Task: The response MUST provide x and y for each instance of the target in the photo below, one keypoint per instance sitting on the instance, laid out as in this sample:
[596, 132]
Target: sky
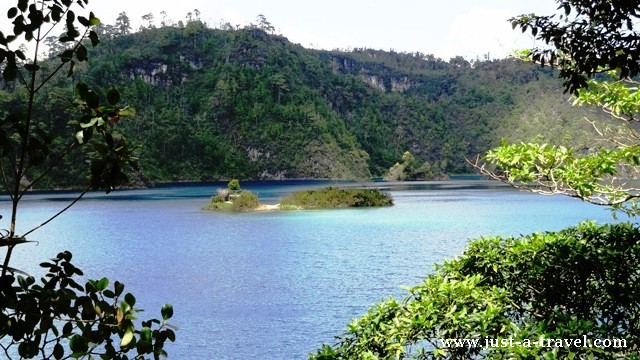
[444, 28]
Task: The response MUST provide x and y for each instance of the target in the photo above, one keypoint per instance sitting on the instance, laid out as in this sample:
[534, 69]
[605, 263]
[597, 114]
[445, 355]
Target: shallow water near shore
[276, 284]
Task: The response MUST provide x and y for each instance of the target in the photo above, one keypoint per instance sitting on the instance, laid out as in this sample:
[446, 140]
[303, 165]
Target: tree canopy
[588, 38]
[217, 104]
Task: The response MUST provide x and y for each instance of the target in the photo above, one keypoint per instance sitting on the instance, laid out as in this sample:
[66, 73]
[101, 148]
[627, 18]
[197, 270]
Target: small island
[233, 198]
[411, 170]
[336, 198]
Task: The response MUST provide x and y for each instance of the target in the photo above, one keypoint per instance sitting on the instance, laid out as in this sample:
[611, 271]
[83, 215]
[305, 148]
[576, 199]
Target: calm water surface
[276, 285]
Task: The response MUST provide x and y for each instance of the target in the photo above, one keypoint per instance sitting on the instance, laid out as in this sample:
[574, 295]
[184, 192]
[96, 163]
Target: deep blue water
[275, 285]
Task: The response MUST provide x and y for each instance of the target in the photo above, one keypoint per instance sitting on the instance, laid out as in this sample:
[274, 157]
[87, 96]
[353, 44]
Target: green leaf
[58, 351]
[13, 12]
[113, 96]
[18, 26]
[127, 111]
[23, 4]
[118, 288]
[171, 335]
[102, 284]
[84, 21]
[92, 99]
[72, 69]
[145, 334]
[82, 89]
[126, 339]
[93, 36]
[130, 299]
[81, 53]
[71, 17]
[9, 73]
[78, 344]
[102, 149]
[166, 311]
[80, 137]
[93, 20]
[67, 328]
[66, 55]
[89, 124]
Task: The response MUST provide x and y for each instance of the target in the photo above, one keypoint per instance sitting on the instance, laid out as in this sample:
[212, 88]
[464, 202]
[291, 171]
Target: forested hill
[244, 103]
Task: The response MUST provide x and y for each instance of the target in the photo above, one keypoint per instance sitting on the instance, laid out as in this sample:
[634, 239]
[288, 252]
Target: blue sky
[471, 28]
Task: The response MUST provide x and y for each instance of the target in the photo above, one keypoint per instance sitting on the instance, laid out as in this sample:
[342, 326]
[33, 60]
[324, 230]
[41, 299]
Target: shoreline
[222, 183]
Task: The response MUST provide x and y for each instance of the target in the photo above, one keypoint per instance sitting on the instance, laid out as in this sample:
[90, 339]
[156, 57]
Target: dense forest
[220, 103]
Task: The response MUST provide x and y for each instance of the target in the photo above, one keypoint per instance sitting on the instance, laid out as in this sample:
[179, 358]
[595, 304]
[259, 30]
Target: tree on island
[512, 294]
[234, 185]
[56, 317]
[410, 169]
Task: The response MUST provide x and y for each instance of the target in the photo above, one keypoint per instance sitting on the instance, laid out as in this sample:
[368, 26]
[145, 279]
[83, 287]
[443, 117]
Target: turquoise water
[276, 285]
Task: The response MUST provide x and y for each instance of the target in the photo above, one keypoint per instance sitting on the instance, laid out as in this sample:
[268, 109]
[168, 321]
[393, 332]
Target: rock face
[332, 163]
[374, 81]
[399, 84]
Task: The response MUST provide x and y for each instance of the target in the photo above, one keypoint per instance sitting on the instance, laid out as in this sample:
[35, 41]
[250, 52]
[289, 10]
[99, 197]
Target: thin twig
[63, 63]
[51, 167]
[59, 213]
[5, 181]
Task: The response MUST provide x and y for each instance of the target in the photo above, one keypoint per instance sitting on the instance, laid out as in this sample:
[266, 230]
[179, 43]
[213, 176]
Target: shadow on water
[268, 191]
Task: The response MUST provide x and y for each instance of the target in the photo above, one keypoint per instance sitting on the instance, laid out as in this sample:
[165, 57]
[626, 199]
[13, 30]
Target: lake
[275, 285]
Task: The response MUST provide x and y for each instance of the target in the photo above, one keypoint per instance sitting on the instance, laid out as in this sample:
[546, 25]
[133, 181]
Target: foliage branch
[57, 317]
[594, 46]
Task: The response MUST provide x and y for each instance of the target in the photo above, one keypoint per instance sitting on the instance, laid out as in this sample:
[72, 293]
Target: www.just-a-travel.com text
[487, 343]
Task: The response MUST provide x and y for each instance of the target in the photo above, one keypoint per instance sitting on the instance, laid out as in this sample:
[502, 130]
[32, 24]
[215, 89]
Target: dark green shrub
[217, 199]
[58, 318]
[580, 282]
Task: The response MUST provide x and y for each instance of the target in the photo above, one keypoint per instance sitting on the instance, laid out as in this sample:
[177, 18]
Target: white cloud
[480, 31]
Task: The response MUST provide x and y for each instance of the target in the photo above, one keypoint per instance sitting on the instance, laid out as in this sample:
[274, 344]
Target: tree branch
[51, 167]
[601, 196]
[75, 47]
[5, 181]
[59, 212]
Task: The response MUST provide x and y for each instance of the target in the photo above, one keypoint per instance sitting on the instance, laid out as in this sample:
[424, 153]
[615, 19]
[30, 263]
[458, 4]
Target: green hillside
[244, 103]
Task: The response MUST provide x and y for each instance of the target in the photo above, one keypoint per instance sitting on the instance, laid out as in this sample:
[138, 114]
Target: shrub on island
[332, 198]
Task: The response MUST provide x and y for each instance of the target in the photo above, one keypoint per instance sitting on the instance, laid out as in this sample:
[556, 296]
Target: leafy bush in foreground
[331, 197]
[58, 318]
[580, 282]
